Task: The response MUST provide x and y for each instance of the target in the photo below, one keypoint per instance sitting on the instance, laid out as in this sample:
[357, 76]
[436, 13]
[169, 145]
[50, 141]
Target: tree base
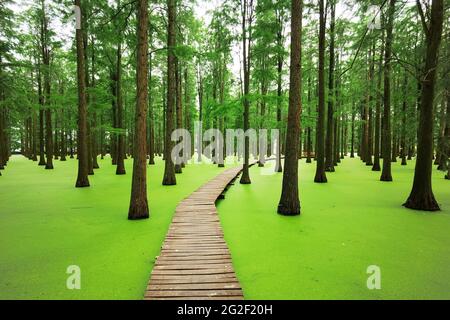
[386, 178]
[49, 167]
[178, 169]
[376, 167]
[291, 211]
[169, 181]
[260, 165]
[447, 177]
[138, 211]
[423, 202]
[321, 178]
[245, 179]
[221, 165]
[82, 183]
[151, 162]
[120, 172]
[308, 161]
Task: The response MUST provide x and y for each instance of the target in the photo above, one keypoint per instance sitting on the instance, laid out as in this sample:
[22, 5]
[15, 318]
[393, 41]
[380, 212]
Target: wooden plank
[239, 297]
[195, 286]
[227, 277]
[192, 262]
[194, 271]
[178, 266]
[194, 293]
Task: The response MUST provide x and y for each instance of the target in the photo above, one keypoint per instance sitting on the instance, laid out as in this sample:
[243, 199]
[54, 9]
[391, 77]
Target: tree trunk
[376, 159]
[386, 174]
[120, 170]
[246, 40]
[151, 129]
[290, 203]
[63, 148]
[42, 160]
[82, 179]
[179, 109]
[329, 150]
[320, 169]
[422, 197]
[138, 203]
[169, 170]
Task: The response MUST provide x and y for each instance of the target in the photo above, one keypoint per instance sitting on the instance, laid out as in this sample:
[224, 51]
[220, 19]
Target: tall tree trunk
[352, 147]
[179, 109]
[138, 203]
[247, 14]
[290, 203]
[88, 101]
[279, 166]
[169, 169]
[47, 112]
[42, 160]
[82, 179]
[320, 169]
[151, 129]
[422, 197]
[329, 158]
[376, 159]
[386, 174]
[404, 111]
[63, 150]
[120, 170]
[94, 148]
[447, 132]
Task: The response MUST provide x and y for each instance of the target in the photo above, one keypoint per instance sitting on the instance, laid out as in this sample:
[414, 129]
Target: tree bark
[376, 159]
[179, 108]
[82, 179]
[290, 203]
[139, 203]
[247, 14]
[320, 169]
[386, 174]
[422, 197]
[120, 169]
[329, 150]
[169, 169]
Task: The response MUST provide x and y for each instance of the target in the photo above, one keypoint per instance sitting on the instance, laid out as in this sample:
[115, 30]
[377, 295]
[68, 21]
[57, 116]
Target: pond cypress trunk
[421, 196]
[290, 203]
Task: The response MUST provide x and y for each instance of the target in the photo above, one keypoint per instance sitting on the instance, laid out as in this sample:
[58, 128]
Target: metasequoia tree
[289, 203]
[247, 11]
[169, 169]
[320, 150]
[386, 174]
[421, 196]
[82, 179]
[138, 203]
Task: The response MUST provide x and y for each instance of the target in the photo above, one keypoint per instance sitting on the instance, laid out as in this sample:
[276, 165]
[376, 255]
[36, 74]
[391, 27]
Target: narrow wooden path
[195, 262]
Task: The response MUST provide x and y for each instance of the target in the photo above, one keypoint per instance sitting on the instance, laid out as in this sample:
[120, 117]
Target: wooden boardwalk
[195, 262]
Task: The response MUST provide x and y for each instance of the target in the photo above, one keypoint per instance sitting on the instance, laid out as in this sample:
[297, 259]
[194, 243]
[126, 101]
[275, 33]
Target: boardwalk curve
[195, 262]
